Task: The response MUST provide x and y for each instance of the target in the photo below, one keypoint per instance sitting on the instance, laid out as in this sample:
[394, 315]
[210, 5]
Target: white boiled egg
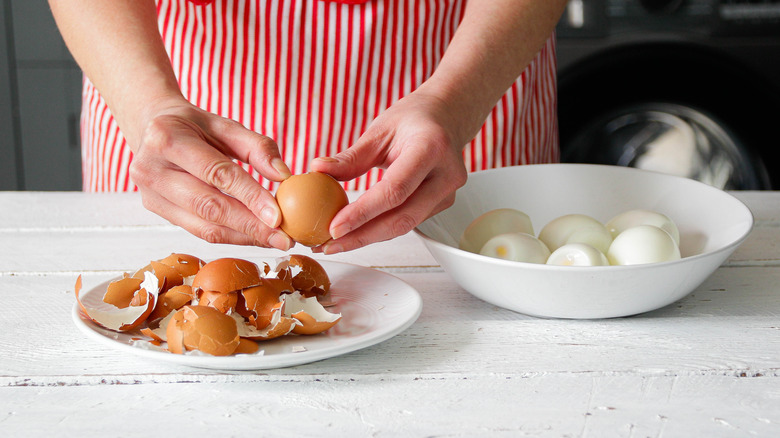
[519, 247]
[493, 223]
[575, 228]
[632, 218]
[643, 244]
[577, 254]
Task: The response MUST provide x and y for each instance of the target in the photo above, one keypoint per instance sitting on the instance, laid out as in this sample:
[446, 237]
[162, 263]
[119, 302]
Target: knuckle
[396, 193]
[221, 174]
[402, 224]
[157, 135]
[211, 234]
[209, 207]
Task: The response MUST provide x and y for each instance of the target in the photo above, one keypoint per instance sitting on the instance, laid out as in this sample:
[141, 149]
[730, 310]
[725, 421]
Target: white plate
[375, 306]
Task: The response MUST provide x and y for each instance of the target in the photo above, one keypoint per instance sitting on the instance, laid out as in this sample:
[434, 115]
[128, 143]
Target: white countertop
[708, 365]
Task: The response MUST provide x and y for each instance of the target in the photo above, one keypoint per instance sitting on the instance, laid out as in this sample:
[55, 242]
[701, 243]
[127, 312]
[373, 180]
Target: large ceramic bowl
[712, 225]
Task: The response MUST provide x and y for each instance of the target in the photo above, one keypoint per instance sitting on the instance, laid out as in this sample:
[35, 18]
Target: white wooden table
[708, 365]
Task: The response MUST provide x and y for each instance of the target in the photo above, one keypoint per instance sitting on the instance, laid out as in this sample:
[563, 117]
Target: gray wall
[40, 100]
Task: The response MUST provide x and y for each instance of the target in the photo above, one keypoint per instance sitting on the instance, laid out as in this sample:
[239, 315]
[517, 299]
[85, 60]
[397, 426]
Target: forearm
[493, 44]
[118, 46]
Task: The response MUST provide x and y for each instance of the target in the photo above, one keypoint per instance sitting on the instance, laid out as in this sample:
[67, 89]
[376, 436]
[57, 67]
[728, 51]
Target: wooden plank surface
[708, 365]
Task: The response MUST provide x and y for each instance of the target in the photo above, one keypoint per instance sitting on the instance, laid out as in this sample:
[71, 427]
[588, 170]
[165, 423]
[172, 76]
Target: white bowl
[712, 225]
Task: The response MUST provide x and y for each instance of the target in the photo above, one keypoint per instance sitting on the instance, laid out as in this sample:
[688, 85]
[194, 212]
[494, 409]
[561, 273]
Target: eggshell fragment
[493, 223]
[257, 303]
[224, 302]
[172, 299]
[313, 317]
[280, 325]
[308, 203]
[122, 319]
[304, 273]
[204, 329]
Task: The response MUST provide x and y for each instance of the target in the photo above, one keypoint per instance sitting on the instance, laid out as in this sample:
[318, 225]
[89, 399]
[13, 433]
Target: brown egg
[226, 275]
[308, 203]
[202, 328]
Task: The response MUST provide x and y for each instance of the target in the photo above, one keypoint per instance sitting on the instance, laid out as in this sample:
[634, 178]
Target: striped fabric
[313, 74]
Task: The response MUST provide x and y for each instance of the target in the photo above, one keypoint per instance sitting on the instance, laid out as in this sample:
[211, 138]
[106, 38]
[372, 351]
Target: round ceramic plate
[375, 306]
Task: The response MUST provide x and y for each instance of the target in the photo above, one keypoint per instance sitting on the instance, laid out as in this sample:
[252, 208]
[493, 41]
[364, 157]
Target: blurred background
[688, 87]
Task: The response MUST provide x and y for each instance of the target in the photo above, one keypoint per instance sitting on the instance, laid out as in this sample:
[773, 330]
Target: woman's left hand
[420, 145]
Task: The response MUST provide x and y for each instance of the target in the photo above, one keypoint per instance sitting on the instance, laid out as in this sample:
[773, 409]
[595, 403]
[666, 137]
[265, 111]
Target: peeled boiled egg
[632, 218]
[493, 223]
[577, 254]
[308, 203]
[575, 228]
[519, 247]
[643, 244]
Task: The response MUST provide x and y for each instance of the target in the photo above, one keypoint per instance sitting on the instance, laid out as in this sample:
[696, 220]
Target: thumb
[351, 163]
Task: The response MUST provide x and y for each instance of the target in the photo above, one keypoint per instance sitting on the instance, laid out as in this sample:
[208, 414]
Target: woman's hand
[419, 145]
[184, 170]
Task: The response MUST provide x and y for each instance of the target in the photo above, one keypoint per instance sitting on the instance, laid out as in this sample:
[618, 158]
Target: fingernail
[281, 167]
[339, 231]
[332, 248]
[269, 216]
[280, 241]
[328, 159]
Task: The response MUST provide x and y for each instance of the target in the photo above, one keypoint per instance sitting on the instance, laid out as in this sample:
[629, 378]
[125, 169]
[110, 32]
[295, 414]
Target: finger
[196, 226]
[424, 203]
[208, 211]
[364, 155]
[259, 151]
[185, 145]
[399, 181]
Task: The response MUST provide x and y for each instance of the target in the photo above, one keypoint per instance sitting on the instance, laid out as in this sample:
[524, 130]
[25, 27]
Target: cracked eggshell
[204, 329]
[313, 317]
[308, 203]
[257, 303]
[172, 299]
[226, 275]
[224, 302]
[280, 325]
[173, 270]
[305, 274]
[127, 318]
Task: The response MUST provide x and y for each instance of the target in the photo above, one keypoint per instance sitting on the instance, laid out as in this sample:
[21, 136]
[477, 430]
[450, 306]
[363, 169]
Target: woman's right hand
[183, 166]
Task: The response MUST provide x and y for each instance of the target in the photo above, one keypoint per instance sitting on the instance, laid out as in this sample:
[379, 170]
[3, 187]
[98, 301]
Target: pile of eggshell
[220, 308]
[633, 237]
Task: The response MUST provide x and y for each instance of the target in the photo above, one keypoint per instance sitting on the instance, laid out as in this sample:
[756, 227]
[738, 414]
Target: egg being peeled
[308, 203]
[518, 247]
[493, 223]
[643, 244]
[632, 218]
[577, 254]
[575, 228]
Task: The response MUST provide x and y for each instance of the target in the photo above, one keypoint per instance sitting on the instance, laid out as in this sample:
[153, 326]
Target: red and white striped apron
[312, 75]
